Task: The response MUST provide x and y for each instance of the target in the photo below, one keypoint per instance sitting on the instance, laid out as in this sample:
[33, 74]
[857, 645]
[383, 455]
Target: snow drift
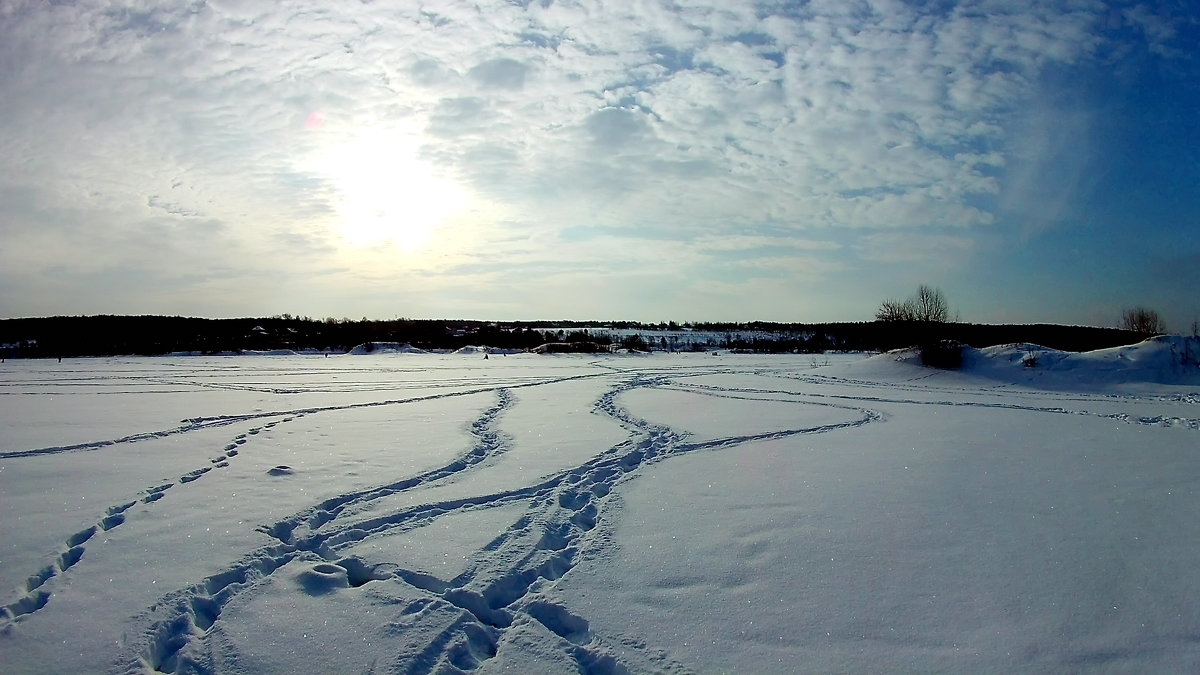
[1165, 359]
[385, 348]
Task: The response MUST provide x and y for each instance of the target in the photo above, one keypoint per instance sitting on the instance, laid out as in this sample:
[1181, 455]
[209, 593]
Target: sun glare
[386, 193]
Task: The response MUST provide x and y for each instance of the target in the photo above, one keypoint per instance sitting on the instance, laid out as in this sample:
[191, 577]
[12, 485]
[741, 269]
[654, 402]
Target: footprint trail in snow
[505, 582]
[501, 596]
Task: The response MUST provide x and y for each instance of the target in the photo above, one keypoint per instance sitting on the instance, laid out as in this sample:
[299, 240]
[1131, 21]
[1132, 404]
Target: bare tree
[1143, 320]
[892, 310]
[928, 305]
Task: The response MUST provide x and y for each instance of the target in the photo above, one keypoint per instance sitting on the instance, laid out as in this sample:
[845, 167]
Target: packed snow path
[440, 514]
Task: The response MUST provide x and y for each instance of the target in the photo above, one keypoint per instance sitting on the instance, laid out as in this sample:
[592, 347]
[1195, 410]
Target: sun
[385, 193]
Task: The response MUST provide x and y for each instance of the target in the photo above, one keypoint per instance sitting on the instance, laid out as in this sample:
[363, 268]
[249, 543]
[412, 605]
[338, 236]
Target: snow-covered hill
[1165, 359]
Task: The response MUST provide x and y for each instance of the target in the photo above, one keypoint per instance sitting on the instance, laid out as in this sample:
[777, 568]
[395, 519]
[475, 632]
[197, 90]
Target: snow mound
[1165, 359]
[471, 349]
[269, 352]
[476, 350]
[386, 348]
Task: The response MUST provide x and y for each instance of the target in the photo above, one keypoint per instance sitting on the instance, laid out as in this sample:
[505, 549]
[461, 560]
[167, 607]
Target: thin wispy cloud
[410, 142]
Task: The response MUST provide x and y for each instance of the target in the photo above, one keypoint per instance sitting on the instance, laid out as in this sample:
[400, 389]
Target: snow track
[494, 593]
[500, 601]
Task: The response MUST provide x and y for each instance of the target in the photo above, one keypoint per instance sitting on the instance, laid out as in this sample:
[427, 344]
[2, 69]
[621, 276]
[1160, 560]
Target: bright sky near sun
[1038, 160]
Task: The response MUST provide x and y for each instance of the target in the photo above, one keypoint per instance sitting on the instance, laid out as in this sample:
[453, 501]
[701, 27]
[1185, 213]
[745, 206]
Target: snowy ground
[666, 513]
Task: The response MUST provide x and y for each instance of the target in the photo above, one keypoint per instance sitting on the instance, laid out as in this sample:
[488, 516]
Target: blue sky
[701, 160]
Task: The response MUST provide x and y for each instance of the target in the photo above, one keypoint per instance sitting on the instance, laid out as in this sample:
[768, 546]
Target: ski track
[997, 389]
[36, 595]
[197, 423]
[1157, 420]
[505, 581]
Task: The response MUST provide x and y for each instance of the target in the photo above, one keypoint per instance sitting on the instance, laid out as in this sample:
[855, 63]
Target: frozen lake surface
[599, 514]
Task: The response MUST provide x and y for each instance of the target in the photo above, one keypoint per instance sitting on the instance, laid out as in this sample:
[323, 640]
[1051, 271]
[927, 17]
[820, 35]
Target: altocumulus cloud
[172, 137]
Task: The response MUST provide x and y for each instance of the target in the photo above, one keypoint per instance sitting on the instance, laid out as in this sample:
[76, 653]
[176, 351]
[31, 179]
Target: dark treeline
[884, 335]
[150, 335]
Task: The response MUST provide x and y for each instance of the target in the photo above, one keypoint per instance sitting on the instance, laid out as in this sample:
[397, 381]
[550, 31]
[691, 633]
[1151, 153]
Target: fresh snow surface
[422, 513]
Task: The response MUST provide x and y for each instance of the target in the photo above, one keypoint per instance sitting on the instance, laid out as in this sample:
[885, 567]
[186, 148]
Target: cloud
[499, 74]
[613, 128]
[938, 250]
[743, 242]
[1159, 27]
[713, 127]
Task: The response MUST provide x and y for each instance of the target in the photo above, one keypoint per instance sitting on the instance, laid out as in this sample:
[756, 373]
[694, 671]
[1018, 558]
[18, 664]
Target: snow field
[931, 550]
[673, 513]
